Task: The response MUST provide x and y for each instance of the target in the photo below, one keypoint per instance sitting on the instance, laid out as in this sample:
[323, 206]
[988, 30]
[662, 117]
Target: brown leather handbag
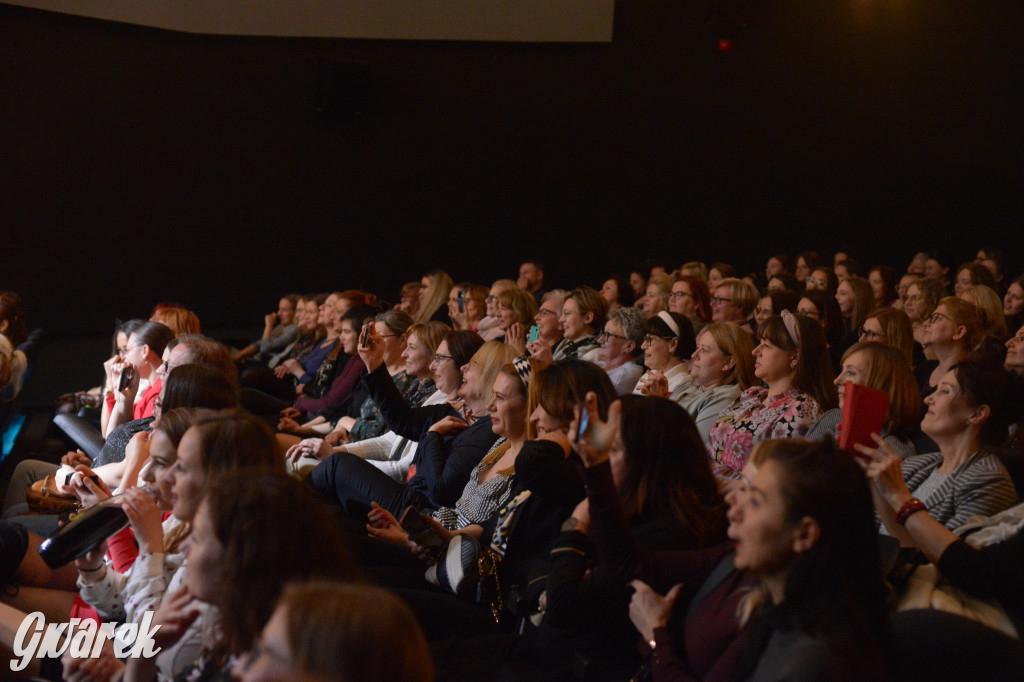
[44, 498]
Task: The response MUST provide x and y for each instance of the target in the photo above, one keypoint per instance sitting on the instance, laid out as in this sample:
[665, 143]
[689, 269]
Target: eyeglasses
[605, 335]
[122, 351]
[438, 358]
[870, 335]
[936, 316]
[491, 299]
[543, 311]
[680, 294]
[816, 282]
[719, 300]
[649, 339]
[388, 336]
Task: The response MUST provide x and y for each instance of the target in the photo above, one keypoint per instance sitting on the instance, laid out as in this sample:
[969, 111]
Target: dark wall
[140, 165]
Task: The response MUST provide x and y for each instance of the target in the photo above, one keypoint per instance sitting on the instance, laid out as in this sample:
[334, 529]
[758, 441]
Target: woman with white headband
[792, 361]
[668, 343]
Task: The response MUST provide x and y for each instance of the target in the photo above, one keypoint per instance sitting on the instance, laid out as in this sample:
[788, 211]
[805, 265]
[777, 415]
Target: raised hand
[649, 610]
[592, 446]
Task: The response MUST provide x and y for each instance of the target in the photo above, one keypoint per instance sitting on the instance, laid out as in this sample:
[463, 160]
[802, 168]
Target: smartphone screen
[534, 334]
[364, 339]
[462, 301]
[584, 421]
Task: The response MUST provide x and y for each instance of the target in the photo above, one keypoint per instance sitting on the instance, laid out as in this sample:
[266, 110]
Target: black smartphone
[584, 421]
[462, 301]
[364, 339]
[67, 478]
[420, 532]
[126, 378]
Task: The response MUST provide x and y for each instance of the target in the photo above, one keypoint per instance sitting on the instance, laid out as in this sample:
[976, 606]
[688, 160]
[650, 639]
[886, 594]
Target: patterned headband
[789, 319]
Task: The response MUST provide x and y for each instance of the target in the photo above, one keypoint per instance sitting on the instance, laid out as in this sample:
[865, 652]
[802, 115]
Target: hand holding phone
[534, 334]
[420, 531]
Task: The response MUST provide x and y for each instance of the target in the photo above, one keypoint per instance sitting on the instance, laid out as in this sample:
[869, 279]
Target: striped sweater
[981, 485]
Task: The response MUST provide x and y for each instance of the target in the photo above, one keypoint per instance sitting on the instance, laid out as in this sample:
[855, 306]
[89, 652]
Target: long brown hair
[667, 469]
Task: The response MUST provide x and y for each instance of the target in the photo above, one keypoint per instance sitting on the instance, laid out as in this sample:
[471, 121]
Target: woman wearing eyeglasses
[923, 297]
[792, 360]
[668, 343]
[489, 328]
[618, 342]
[950, 334]
[824, 278]
[690, 297]
[734, 301]
[892, 328]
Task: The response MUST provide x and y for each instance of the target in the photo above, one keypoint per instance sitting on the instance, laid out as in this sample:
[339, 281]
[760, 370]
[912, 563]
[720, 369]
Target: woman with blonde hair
[434, 288]
[733, 300]
[517, 309]
[991, 306]
[882, 368]
[659, 288]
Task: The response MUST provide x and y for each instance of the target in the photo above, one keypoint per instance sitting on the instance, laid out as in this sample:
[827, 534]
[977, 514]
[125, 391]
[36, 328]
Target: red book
[864, 411]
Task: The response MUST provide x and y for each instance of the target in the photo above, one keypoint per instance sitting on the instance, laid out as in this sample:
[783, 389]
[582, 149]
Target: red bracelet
[911, 506]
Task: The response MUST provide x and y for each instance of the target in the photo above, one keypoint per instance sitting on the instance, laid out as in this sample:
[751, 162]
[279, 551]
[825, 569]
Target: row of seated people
[481, 456]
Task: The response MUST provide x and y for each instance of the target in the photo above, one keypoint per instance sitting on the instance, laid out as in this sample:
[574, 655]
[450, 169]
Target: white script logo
[81, 639]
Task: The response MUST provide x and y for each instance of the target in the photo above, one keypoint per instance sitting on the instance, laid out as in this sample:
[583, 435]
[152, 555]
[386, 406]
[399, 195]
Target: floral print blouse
[750, 420]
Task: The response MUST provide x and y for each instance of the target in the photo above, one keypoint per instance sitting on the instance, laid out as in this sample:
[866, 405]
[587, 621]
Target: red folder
[864, 411]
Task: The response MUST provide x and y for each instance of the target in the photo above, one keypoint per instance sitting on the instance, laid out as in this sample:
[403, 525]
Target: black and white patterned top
[479, 501]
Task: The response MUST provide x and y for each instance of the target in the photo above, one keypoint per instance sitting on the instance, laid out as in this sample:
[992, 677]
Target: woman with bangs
[517, 309]
[792, 360]
[882, 368]
[452, 437]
